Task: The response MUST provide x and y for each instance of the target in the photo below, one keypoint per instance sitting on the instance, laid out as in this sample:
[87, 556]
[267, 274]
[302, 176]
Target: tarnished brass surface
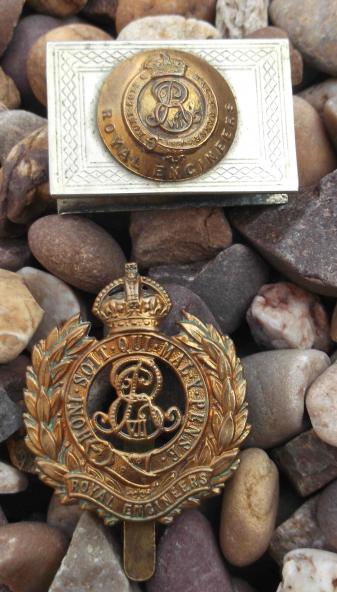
[168, 433]
[167, 115]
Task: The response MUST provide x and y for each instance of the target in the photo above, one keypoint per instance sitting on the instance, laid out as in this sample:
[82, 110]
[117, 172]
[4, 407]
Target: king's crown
[163, 64]
[132, 302]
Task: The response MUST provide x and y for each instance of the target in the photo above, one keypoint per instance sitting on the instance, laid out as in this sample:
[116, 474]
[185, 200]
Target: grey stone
[176, 274]
[276, 385]
[63, 516]
[183, 299]
[14, 252]
[14, 126]
[327, 514]
[10, 416]
[11, 480]
[13, 377]
[237, 19]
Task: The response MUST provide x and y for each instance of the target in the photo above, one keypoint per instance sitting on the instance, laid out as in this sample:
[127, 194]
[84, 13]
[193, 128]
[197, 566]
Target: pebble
[100, 11]
[11, 481]
[276, 385]
[327, 514]
[54, 296]
[282, 316]
[14, 62]
[130, 10]
[309, 570]
[63, 516]
[241, 586]
[296, 61]
[76, 250]
[183, 299]
[61, 8]
[333, 327]
[315, 156]
[16, 125]
[299, 238]
[10, 416]
[13, 377]
[167, 27]
[24, 170]
[237, 19]
[229, 282]
[330, 119]
[311, 26]
[20, 316]
[178, 236]
[249, 507]
[300, 531]
[36, 60]
[308, 462]
[321, 403]
[14, 253]
[3, 519]
[188, 558]
[9, 94]
[92, 561]
[176, 274]
[9, 15]
[318, 94]
[22, 547]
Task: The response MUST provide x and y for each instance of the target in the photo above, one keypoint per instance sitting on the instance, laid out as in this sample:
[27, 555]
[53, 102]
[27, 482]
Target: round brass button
[167, 115]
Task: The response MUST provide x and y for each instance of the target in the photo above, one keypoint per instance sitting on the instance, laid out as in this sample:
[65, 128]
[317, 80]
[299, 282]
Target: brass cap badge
[170, 431]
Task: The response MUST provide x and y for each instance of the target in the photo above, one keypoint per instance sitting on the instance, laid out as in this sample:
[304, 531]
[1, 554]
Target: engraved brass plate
[167, 115]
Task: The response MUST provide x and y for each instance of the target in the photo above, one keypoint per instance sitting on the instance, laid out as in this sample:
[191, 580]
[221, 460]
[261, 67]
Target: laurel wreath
[228, 409]
[51, 359]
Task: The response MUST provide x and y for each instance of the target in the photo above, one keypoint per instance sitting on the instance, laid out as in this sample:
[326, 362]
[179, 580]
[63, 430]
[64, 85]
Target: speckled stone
[14, 253]
[237, 19]
[309, 570]
[76, 250]
[321, 403]
[327, 514]
[188, 558]
[318, 94]
[176, 274]
[167, 27]
[308, 462]
[183, 299]
[92, 561]
[11, 480]
[300, 531]
[16, 125]
[130, 10]
[63, 516]
[61, 8]
[298, 238]
[282, 315]
[276, 386]
[10, 416]
[311, 26]
[22, 547]
[249, 507]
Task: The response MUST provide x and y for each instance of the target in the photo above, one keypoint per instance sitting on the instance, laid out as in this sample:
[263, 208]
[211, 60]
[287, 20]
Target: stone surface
[11, 481]
[36, 60]
[176, 274]
[241, 586]
[183, 299]
[296, 60]
[237, 19]
[333, 327]
[309, 570]
[311, 26]
[282, 315]
[330, 119]
[10, 416]
[276, 385]
[9, 15]
[300, 531]
[178, 236]
[3, 519]
[188, 562]
[308, 462]
[14, 253]
[168, 27]
[62, 516]
[298, 238]
[29, 29]
[9, 94]
[318, 94]
[249, 507]
[24, 170]
[61, 8]
[92, 561]
[327, 514]
[20, 316]
[229, 282]
[130, 10]
[13, 377]
[22, 547]
[54, 296]
[315, 156]
[321, 403]
[16, 125]
[77, 251]
[100, 11]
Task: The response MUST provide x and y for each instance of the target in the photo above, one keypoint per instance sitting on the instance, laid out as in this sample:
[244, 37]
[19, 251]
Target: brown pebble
[330, 119]
[36, 61]
[14, 253]
[9, 94]
[100, 11]
[63, 516]
[15, 125]
[59, 8]
[318, 94]
[315, 156]
[333, 327]
[30, 554]
[9, 15]
[76, 250]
